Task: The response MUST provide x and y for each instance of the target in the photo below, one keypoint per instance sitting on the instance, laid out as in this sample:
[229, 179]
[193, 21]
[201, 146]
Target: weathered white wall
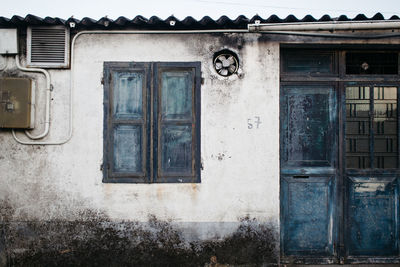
[241, 165]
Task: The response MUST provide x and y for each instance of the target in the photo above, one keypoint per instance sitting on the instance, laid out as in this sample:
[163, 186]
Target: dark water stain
[233, 40]
[98, 241]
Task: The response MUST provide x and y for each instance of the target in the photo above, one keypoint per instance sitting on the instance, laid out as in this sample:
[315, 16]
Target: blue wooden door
[339, 173]
[371, 173]
[309, 157]
[339, 156]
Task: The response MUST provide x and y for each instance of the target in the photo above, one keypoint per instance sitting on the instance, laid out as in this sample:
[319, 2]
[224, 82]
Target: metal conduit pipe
[48, 99]
[71, 87]
[251, 28]
[326, 26]
[333, 35]
[47, 117]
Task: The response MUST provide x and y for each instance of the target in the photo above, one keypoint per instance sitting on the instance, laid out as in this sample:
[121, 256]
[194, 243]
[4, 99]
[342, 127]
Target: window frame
[151, 133]
[371, 170]
[342, 80]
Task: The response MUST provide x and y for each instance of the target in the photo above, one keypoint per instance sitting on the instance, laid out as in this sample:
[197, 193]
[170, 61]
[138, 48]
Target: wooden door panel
[308, 173]
[308, 215]
[372, 221]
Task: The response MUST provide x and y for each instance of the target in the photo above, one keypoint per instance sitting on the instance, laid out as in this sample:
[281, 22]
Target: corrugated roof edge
[189, 23]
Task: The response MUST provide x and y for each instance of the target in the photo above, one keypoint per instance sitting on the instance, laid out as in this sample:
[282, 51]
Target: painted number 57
[254, 123]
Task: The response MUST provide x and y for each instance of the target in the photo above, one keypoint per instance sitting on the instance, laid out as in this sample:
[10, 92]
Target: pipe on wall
[48, 99]
[326, 26]
[282, 28]
[71, 87]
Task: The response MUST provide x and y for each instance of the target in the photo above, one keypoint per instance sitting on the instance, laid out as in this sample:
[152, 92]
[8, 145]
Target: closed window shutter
[126, 123]
[161, 148]
[176, 121]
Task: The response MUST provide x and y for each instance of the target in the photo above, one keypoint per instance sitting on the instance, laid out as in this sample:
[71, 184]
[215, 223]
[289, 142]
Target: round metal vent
[226, 63]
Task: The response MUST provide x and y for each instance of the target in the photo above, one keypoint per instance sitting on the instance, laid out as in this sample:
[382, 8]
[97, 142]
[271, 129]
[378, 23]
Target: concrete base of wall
[101, 242]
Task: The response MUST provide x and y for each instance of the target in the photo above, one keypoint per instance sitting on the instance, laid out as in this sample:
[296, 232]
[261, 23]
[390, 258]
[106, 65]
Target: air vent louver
[48, 47]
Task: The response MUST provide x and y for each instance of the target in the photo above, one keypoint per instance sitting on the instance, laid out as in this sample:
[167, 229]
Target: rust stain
[160, 193]
[190, 189]
[194, 191]
[108, 190]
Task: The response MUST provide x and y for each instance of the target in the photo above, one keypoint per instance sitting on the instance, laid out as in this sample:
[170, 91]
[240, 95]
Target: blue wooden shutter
[126, 122]
[169, 141]
[177, 114]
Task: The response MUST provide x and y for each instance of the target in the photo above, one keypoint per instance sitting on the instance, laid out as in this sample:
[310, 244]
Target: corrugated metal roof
[140, 22]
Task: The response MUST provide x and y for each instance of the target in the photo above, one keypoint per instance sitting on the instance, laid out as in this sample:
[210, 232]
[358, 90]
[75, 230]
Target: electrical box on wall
[16, 107]
[8, 41]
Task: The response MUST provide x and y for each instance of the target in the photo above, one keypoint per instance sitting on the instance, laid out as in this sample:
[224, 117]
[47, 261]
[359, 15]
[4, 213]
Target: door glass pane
[371, 63]
[357, 127]
[308, 62]
[128, 95]
[307, 134]
[176, 91]
[309, 116]
[385, 127]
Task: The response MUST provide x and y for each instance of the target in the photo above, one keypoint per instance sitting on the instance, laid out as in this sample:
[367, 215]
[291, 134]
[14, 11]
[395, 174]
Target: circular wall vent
[226, 63]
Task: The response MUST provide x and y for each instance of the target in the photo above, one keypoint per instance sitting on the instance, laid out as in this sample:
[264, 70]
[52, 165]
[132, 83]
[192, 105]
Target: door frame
[329, 174]
[340, 79]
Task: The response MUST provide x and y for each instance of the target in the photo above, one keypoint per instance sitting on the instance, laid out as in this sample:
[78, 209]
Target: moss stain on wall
[95, 240]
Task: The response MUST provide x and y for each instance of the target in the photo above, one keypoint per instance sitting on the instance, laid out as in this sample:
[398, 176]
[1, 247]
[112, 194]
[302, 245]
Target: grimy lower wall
[55, 208]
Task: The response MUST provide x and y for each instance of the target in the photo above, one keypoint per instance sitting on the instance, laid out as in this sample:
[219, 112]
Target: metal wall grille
[48, 46]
